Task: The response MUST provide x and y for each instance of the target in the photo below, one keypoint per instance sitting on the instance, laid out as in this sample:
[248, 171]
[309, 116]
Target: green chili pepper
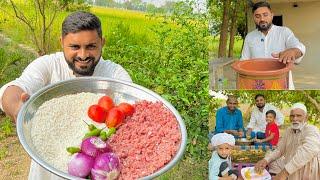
[95, 132]
[91, 127]
[111, 131]
[73, 150]
[103, 135]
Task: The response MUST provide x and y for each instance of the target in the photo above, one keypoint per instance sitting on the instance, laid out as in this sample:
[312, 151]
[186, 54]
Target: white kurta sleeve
[121, 73]
[293, 42]
[34, 77]
[279, 116]
[246, 50]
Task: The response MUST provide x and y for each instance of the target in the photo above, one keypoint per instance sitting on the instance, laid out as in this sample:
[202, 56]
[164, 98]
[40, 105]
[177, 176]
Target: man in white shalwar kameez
[297, 156]
[271, 41]
[82, 44]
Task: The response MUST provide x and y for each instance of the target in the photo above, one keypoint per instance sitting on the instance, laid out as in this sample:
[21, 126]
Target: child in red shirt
[272, 130]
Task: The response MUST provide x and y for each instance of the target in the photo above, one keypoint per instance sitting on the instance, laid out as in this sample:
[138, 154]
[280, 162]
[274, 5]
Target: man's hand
[226, 178]
[258, 140]
[288, 56]
[240, 133]
[283, 175]
[248, 134]
[12, 100]
[260, 166]
[23, 97]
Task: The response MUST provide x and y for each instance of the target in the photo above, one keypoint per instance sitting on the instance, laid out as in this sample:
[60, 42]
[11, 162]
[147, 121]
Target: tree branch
[312, 100]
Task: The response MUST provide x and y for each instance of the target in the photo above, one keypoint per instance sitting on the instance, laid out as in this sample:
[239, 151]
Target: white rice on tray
[58, 124]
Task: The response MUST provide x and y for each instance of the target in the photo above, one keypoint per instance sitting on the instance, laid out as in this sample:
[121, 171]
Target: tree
[227, 17]
[39, 18]
[233, 27]
[224, 29]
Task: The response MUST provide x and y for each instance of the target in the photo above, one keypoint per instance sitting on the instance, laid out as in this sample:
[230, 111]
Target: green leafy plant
[6, 128]
[174, 64]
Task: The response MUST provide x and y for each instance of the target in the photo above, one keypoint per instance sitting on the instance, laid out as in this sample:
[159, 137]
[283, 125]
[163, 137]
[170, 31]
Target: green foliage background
[174, 64]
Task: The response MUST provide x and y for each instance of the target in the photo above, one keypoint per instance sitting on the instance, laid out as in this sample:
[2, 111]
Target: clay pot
[263, 73]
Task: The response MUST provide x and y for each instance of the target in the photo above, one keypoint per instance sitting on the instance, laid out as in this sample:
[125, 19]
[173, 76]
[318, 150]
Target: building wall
[304, 21]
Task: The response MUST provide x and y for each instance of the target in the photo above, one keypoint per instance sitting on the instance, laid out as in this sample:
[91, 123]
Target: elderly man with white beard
[298, 150]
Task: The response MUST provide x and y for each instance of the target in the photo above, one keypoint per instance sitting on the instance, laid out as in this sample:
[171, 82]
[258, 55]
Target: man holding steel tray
[82, 44]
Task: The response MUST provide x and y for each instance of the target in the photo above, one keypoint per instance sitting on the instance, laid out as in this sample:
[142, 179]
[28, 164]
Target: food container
[248, 173]
[244, 141]
[262, 73]
[128, 91]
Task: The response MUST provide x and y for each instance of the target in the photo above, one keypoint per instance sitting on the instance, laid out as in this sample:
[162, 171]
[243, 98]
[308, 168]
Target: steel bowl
[244, 141]
[128, 91]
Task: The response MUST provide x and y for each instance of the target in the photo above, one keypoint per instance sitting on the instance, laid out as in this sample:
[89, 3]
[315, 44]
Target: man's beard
[297, 126]
[263, 27]
[83, 70]
[261, 106]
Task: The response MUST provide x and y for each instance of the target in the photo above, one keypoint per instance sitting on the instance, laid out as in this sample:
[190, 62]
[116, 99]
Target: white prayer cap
[299, 106]
[222, 138]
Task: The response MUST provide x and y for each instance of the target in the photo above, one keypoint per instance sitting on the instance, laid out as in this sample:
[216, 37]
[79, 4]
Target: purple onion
[93, 146]
[106, 166]
[80, 165]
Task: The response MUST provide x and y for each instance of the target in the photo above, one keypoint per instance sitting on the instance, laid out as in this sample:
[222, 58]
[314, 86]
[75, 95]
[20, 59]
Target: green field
[138, 22]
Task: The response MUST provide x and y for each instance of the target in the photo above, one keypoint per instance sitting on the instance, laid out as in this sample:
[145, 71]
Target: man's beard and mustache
[260, 106]
[263, 26]
[85, 70]
[297, 125]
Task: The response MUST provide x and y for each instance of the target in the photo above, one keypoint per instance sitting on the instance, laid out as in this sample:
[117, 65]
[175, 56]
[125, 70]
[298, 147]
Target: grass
[214, 46]
[12, 60]
[7, 128]
[187, 169]
[138, 22]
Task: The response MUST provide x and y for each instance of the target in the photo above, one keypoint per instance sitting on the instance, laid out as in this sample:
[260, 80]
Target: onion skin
[106, 167]
[80, 165]
[94, 146]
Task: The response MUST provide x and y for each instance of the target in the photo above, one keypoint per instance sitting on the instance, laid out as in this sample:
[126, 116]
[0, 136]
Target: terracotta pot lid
[261, 67]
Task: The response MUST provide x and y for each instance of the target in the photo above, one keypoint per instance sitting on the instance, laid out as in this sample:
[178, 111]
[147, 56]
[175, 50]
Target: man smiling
[82, 44]
[271, 41]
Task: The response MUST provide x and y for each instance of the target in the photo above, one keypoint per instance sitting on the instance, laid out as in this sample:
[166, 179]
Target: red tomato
[106, 103]
[97, 113]
[114, 117]
[126, 108]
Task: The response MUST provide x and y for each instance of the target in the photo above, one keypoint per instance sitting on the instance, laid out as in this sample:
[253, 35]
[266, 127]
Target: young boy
[220, 162]
[272, 130]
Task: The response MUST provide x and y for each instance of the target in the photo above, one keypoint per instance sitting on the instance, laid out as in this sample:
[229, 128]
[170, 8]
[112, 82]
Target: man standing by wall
[271, 41]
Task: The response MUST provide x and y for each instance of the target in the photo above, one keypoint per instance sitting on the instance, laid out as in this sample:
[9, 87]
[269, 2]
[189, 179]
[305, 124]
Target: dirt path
[16, 162]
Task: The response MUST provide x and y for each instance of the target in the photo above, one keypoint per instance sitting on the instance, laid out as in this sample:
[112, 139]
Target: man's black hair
[258, 95]
[81, 21]
[260, 4]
